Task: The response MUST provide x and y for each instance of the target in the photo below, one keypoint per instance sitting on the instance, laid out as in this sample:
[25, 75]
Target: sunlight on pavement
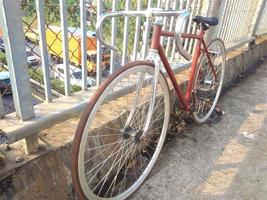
[233, 153]
[254, 122]
[220, 181]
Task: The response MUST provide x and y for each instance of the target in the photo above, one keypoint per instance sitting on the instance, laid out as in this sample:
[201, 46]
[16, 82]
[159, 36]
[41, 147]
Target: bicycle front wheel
[111, 156]
[207, 87]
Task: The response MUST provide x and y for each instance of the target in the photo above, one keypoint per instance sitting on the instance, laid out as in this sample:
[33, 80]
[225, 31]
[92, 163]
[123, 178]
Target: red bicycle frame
[158, 32]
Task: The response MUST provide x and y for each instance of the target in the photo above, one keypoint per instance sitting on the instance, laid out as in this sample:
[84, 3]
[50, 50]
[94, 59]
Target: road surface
[222, 160]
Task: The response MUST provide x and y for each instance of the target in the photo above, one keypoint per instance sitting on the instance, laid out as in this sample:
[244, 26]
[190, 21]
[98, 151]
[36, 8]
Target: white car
[5, 86]
[75, 75]
[32, 59]
[2, 45]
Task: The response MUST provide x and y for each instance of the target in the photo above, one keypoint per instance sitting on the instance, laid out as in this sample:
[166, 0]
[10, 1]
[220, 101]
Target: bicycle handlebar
[182, 17]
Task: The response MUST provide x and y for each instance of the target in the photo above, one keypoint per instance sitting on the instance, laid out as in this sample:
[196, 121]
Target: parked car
[5, 86]
[2, 45]
[32, 59]
[75, 75]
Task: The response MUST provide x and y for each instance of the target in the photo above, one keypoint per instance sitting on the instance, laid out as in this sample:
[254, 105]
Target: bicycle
[122, 131]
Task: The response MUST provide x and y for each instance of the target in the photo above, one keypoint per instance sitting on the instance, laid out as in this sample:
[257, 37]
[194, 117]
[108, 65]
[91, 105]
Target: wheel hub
[129, 132]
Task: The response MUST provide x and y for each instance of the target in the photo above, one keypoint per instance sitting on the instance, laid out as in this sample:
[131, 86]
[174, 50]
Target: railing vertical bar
[258, 17]
[64, 27]
[263, 23]
[171, 28]
[113, 37]
[167, 6]
[137, 31]
[99, 46]
[174, 46]
[248, 18]
[222, 22]
[11, 23]
[43, 49]
[190, 23]
[159, 3]
[192, 41]
[237, 21]
[228, 17]
[83, 43]
[242, 22]
[230, 21]
[2, 109]
[146, 33]
[126, 34]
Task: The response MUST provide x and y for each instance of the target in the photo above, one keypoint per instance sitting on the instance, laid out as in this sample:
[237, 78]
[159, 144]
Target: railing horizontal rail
[50, 114]
[55, 39]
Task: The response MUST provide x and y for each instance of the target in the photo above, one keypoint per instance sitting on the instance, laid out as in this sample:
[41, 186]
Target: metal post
[11, 22]
[99, 46]
[113, 37]
[146, 33]
[137, 31]
[43, 49]
[83, 43]
[214, 11]
[64, 27]
[258, 17]
[126, 34]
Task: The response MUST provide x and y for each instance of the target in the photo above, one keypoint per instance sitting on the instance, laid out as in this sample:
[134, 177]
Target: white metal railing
[240, 22]
[263, 21]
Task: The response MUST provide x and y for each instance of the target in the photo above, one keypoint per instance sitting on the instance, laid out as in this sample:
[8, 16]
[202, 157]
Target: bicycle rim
[206, 89]
[111, 160]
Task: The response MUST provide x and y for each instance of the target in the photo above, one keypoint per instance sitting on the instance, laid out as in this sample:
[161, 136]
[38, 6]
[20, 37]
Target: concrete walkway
[223, 160]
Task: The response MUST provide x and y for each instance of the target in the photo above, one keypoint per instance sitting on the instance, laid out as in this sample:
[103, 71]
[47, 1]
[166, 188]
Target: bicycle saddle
[211, 21]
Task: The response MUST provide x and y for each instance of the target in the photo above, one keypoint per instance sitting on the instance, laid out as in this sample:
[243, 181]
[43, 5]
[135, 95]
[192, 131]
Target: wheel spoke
[205, 87]
[115, 156]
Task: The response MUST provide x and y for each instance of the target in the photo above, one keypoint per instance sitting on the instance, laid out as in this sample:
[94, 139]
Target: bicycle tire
[101, 98]
[206, 87]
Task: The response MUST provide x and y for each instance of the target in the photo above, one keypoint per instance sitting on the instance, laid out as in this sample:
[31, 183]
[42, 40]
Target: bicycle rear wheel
[110, 156]
[207, 89]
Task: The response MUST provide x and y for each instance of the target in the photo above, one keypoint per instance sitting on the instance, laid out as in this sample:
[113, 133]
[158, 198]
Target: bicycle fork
[154, 57]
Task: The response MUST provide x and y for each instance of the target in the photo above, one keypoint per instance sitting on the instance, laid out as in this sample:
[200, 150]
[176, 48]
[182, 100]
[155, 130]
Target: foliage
[52, 11]
[57, 85]
[2, 58]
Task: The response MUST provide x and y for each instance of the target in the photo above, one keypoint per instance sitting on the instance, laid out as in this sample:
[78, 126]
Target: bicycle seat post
[156, 33]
